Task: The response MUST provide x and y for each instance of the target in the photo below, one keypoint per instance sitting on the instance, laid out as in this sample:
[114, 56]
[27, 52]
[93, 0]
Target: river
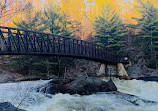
[23, 95]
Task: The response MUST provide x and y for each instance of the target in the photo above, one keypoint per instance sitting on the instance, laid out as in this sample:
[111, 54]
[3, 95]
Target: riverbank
[7, 77]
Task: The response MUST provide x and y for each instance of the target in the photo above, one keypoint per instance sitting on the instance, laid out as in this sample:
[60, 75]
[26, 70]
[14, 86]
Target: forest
[126, 26]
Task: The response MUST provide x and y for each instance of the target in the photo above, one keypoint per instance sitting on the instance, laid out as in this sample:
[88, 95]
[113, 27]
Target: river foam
[24, 95]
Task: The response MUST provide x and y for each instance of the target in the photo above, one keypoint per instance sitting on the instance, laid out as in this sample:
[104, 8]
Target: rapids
[23, 95]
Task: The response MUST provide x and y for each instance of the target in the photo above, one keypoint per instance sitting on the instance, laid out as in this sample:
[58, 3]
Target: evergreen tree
[147, 27]
[55, 22]
[109, 29]
[66, 27]
[148, 23]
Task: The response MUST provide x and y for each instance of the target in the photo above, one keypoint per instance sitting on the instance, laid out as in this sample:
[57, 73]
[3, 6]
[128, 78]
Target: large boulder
[82, 85]
[6, 106]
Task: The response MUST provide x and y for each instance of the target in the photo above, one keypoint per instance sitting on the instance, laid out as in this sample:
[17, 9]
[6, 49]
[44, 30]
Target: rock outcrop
[139, 64]
[81, 85]
[6, 77]
[83, 68]
[140, 70]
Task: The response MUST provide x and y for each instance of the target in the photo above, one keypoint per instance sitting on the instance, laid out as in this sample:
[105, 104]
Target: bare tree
[9, 8]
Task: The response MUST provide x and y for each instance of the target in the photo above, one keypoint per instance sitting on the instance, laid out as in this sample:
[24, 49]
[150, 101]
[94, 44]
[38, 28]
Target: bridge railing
[20, 41]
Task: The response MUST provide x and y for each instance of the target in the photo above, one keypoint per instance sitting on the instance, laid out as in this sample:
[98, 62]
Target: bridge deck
[14, 41]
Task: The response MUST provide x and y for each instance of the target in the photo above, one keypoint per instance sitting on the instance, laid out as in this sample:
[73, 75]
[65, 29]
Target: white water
[24, 96]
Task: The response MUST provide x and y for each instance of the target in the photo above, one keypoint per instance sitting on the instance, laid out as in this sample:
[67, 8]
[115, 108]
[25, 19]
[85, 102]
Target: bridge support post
[121, 70]
[102, 70]
[113, 70]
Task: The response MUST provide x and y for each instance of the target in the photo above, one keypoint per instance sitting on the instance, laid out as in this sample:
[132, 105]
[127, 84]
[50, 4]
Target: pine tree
[66, 26]
[109, 29]
[147, 27]
[148, 23]
[55, 22]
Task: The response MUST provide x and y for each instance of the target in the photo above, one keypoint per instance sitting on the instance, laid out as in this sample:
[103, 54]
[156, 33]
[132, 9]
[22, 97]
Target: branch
[9, 14]
[3, 7]
[7, 19]
[3, 11]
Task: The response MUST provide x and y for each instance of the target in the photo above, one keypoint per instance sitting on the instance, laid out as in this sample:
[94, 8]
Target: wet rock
[54, 86]
[111, 86]
[149, 78]
[135, 100]
[81, 85]
[6, 106]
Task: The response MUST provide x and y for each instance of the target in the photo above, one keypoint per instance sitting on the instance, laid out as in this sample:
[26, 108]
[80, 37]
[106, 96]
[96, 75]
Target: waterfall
[23, 95]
